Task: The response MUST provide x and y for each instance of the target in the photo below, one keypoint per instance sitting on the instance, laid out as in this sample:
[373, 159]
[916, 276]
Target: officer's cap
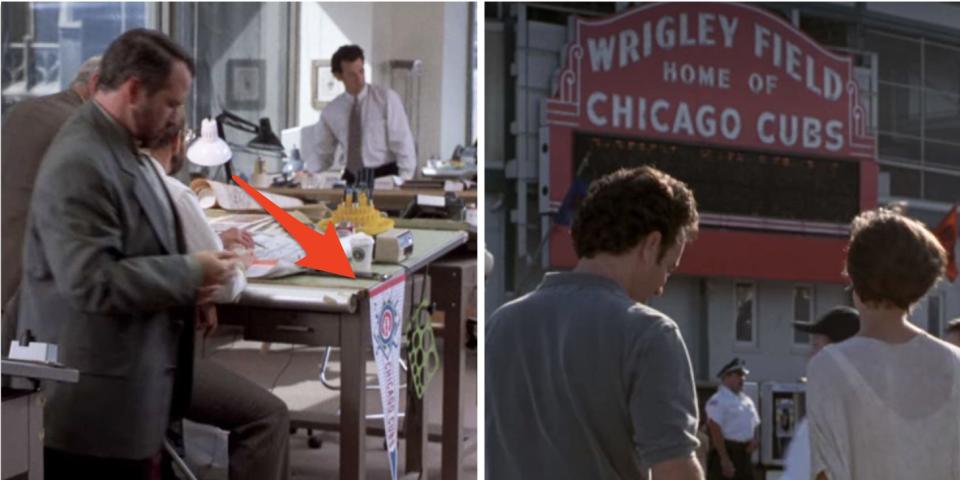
[733, 366]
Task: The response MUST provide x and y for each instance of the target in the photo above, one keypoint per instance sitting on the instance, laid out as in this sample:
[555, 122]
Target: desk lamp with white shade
[211, 149]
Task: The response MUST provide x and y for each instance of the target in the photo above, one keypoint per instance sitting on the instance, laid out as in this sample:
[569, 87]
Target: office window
[944, 155]
[941, 186]
[242, 52]
[904, 182]
[941, 68]
[900, 113]
[802, 312]
[919, 103]
[935, 315]
[941, 110]
[829, 32]
[900, 57]
[899, 148]
[746, 325]
[44, 43]
[474, 76]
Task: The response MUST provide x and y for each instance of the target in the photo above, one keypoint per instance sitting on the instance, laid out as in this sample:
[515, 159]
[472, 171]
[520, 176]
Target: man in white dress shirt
[732, 420]
[167, 156]
[258, 421]
[367, 122]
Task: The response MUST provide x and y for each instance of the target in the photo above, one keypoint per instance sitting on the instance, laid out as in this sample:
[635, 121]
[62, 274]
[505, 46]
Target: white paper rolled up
[207, 198]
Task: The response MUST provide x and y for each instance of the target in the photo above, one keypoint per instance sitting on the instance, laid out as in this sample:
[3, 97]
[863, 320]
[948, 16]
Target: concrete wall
[949, 294]
[455, 74]
[437, 34]
[774, 356]
[395, 39]
[681, 301]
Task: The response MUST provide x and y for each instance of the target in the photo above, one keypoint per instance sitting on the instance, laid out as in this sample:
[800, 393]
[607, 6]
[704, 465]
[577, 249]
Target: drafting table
[320, 310]
[396, 199]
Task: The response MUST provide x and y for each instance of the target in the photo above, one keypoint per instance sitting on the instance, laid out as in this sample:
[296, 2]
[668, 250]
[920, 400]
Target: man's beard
[147, 130]
[176, 162]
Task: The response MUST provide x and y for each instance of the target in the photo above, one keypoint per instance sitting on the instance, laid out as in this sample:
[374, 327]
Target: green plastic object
[422, 355]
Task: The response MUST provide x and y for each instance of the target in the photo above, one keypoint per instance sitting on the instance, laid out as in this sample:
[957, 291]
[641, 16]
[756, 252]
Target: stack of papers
[276, 252]
[232, 197]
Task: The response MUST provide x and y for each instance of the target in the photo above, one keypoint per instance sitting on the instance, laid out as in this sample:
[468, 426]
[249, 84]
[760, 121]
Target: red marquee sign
[723, 75]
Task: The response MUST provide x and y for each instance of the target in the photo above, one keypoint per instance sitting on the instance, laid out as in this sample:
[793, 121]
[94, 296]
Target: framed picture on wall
[246, 84]
[324, 87]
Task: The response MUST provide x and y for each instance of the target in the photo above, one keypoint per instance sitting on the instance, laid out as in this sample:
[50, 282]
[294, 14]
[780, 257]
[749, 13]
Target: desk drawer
[285, 326]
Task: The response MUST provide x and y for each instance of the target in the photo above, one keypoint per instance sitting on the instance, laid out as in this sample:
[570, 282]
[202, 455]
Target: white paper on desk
[275, 250]
[431, 200]
[320, 180]
[277, 246]
[472, 216]
[231, 197]
[255, 222]
[251, 222]
[386, 328]
[387, 182]
[272, 269]
[277, 254]
[452, 186]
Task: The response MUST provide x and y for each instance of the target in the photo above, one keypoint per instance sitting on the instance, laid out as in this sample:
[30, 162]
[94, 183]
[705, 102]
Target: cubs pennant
[386, 326]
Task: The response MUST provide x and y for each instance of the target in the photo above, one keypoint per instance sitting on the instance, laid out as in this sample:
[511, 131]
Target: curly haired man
[583, 380]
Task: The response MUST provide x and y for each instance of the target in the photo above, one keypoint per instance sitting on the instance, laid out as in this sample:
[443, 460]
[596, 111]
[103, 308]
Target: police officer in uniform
[732, 420]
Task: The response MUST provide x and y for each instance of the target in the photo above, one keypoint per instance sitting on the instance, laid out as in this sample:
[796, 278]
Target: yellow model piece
[363, 215]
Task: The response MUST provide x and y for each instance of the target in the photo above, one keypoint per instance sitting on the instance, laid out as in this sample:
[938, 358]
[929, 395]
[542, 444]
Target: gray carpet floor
[291, 372]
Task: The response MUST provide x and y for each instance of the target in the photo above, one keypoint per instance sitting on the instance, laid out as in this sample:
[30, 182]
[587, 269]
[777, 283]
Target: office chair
[314, 441]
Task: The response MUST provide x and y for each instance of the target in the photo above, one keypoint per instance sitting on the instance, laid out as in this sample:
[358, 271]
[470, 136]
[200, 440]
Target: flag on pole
[946, 232]
[575, 194]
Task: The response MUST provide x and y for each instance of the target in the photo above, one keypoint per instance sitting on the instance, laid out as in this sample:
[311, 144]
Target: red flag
[946, 232]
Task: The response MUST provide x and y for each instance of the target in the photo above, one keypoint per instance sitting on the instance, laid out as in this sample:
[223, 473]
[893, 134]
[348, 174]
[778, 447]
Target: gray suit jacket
[106, 281]
[27, 132]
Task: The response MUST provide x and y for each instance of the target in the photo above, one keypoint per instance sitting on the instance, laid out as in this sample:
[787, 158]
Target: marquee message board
[724, 74]
[731, 78]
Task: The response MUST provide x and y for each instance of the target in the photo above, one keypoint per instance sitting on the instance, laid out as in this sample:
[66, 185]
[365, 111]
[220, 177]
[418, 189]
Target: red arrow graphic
[324, 252]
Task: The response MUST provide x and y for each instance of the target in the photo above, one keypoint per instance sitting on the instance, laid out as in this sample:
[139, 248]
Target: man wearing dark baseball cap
[952, 333]
[835, 326]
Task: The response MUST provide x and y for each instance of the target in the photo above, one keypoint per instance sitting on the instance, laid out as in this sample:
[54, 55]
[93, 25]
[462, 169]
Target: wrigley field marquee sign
[722, 74]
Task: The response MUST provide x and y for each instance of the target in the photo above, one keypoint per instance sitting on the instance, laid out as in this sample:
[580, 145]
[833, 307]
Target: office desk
[396, 199]
[320, 310]
[23, 417]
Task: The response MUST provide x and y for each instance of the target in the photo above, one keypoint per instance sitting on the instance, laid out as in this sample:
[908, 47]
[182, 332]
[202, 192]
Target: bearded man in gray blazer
[105, 275]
